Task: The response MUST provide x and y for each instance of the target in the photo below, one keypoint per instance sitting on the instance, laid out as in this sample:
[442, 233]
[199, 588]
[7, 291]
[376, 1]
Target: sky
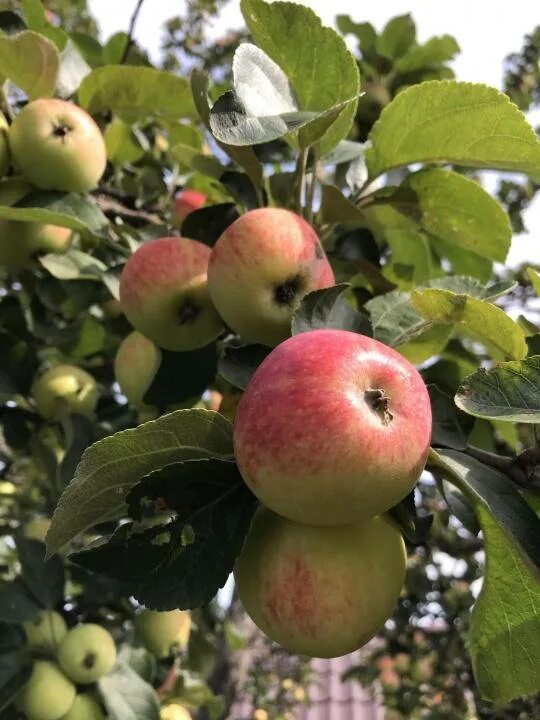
[486, 33]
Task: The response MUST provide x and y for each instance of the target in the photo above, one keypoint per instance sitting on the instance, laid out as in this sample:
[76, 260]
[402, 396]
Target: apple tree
[261, 326]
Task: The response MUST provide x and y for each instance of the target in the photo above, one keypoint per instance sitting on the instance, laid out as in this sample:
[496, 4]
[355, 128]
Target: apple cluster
[51, 144]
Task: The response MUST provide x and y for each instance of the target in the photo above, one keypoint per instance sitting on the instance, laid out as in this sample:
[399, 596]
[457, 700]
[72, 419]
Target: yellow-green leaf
[30, 61]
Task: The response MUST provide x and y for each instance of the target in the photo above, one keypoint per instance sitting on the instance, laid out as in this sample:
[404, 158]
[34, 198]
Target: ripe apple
[164, 293]
[85, 707]
[333, 427]
[185, 203]
[163, 632]
[135, 366]
[86, 653]
[65, 386]
[4, 145]
[174, 712]
[48, 694]
[37, 528]
[260, 269]
[21, 242]
[46, 631]
[320, 591]
[57, 146]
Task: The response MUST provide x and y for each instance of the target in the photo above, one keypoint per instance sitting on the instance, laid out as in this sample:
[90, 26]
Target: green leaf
[127, 696]
[208, 223]
[458, 210]
[34, 13]
[140, 660]
[15, 663]
[479, 318]
[73, 69]
[238, 364]
[16, 602]
[55, 208]
[432, 54]
[330, 308]
[452, 122]
[336, 208]
[112, 466]
[123, 146]
[162, 566]
[397, 37]
[534, 277]
[510, 391]
[365, 32]
[451, 427]
[315, 59]
[45, 580]
[395, 320]
[137, 93]
[18, 365]
[30, 61]
[73, 265]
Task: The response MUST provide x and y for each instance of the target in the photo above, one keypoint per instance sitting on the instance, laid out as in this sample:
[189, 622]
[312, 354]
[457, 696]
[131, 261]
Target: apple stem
[380, 403]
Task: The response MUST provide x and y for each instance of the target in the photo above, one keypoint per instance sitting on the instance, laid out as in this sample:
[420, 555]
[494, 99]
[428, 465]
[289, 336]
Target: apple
[260, 269]
[163, 632]
[21, 242]
[85, 707]
[173, 711]
[320, 591]
[185, 203]
[46, 631]
[37, 528]
[332, 428]
[65, 386]
[86, 653]
[4, 145]
[57, 146]
[48, 694]
[135, 366]
[164, 293]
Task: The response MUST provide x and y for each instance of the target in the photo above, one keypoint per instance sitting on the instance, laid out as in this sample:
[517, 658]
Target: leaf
[314, 58]
[241, 188]
[112, 466]
[16, 603]
[534, 277]
[55, 208]
[453, 122]
[394, 319]
[136, 93]
[451, 427]
[208, 223]
[510, 391]
[397, 36]
[18, 366]
[73, 69]
[30, 61]
[15, 663]
[433, 53]
[45, 580]
[140, 660]
[123, 146]
[336, 208]
[214, 509]
[329, 308]
[127, 696]
[479, 318]
[238, 364]
[458, 210]
[73, 265]
[415, 528]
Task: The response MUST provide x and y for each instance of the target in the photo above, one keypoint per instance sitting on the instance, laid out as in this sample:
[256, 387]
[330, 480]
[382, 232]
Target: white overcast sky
[486, 33]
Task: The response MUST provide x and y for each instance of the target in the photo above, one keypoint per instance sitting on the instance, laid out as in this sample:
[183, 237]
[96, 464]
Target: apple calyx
[89, 660]
[61, 131]
[285, 293]
[188, 312]
[380, 403]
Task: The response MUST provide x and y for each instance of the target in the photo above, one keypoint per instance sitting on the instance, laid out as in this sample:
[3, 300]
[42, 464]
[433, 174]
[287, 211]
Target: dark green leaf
[15, 663]
[415, 528]
[44, 579]
[451, 427]
[18, 366]
[241, 188]
[329, 308]
[237, 364]
[208, 223]
[16, 603]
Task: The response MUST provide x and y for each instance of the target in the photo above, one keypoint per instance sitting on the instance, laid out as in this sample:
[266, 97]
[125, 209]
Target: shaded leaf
[16, 603]
[237, 364]
[44, 579]
[208, 223]
[73, 265]
[127, 696]
[329, 308]
[451, 427]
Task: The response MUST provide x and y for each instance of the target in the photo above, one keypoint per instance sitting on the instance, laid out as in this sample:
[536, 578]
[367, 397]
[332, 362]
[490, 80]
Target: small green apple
[135, 366]
[21, 242]
[46, 631]
[86, 653]
[37, 528]
[48, 694]
[85, 707]
[162, 632]
[4, 145]
[173, 711]
[65, 387]
[57, 146]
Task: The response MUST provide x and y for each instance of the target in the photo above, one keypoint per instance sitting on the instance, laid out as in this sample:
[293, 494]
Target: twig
[518, 468]
[311, 188]
[130, 32]
[112, 208]
[300, 178]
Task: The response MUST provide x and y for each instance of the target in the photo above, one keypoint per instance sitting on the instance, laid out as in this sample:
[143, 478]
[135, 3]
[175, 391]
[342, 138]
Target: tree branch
[130, 32]
[520, 469]
[112, 209]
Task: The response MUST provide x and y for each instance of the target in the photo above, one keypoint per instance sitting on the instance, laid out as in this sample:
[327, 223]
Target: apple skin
[85, 707]
[67, 384]
[260, 269]
[57, 146]
[314, 446]
[46, 631]
[20, 242]
[135, 366]
[87, 653]
[174, 712]
[48, 694]
[185, 203]
[4, 145]
[37, 528]
[164, 294]
[162, 632]
[320, 591]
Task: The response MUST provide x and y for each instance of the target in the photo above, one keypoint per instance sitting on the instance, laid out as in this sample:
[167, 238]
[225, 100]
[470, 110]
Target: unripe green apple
[85, 707]
[37, 528]
[333, 427]
[164, 293]
[4, 145]
[174, 712]
[65, 386]
[86, 653]
[135, 366]
[57, 146]
[48, 694]
[46, 631]
[21, 242]
[162, 632]
[184, 204]
[260, 269]
[320, 591]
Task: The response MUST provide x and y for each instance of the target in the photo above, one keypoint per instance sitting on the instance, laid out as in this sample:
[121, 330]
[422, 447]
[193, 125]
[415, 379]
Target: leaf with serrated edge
[329, 308]
[510, 391]
[112, 466]
[56, 208]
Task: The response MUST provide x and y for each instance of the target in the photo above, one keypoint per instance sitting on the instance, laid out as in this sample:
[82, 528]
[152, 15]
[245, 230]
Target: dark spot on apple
[286, 293]
[379, 403]
[89, 661]
[61, 131]
[319, 252]
[188, 312]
